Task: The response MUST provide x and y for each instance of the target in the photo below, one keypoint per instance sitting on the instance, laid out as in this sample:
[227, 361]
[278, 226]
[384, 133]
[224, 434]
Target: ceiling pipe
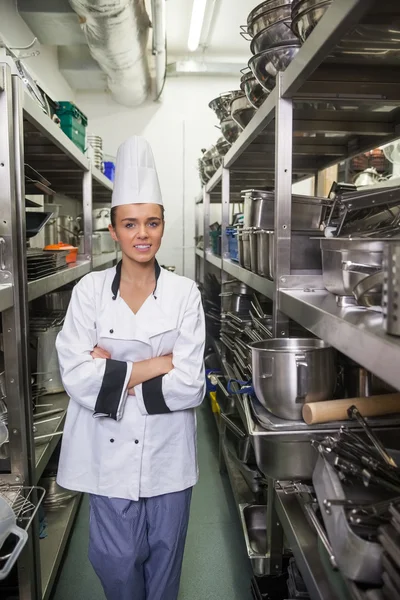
[158, 12]
[116, 32]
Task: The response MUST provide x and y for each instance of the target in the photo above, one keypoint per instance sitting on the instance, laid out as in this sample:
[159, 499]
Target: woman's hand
[100, 353]
[148, 369]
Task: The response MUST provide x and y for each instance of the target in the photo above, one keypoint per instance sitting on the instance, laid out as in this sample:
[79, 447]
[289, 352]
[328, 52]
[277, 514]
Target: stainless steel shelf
[6, 297]
[53, 282]
[303, 542]
[260, 284]
[214, 181]
[356, 332]
[45, 450]
[103, 259]
[59, 524]
[42, 127]
[214, 260]
[200, 252]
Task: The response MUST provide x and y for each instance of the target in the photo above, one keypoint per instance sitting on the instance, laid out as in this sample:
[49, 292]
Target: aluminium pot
[48, 370]
[242, 111]
[235, 303]
[101, 219]
[289, 372]
[308, 212]
[266, 14]
[244, 249]
[107, 244]
[347, 262]
[96, 244]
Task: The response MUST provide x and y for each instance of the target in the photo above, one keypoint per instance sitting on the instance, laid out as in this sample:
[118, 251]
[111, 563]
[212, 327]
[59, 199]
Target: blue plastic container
[231, 233]
[109, 170]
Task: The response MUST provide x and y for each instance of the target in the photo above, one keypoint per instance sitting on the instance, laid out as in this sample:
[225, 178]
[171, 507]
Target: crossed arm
[143, 370]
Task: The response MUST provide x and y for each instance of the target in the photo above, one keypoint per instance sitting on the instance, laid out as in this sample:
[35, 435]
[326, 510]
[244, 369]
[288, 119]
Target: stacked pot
[256, 238]
[272, 42]
[233, 112]
[212, 159]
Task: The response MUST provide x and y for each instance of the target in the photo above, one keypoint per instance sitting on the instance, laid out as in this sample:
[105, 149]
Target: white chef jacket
[131, 446]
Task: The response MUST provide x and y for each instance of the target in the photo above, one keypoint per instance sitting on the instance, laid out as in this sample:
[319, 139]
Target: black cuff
[111, 389]
[153, 397]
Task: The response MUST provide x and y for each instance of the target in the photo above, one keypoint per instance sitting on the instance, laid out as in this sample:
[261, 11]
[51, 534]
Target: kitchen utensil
[244, 248]
[345, 262]
[336, 410]
[306, 15]
[242, 111]
[255, 93]
[96, 242]
[354, 413]
[56, 496]
[101, 219]
[240, 440]
[278, 34]
[265, 65]
[35, 221]
[288, 373]
[43, 335]
[235, 303]
[266, 14]
[253, 237]
[56, 301]
[8, 526]
[107, 244]
[391, 288]
[305, 256]
[230, 130]
[221, 104]
[254, 523]
[96, 143]
[308, 212]
[67, 229]
[368, 292]
[357, 558]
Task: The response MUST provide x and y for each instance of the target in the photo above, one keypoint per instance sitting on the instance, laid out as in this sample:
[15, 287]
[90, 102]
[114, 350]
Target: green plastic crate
[215, 239]
[73, 123]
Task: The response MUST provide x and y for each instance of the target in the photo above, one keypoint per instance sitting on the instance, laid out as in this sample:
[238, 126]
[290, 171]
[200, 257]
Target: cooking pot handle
[301, 366]
[348, 265]
[367, 284]
[267, 364]
[244, 33]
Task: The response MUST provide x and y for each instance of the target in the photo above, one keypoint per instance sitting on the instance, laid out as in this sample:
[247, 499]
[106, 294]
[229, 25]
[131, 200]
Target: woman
[131, 359]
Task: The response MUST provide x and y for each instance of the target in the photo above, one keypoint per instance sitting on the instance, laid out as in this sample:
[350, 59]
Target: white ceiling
[225, 39]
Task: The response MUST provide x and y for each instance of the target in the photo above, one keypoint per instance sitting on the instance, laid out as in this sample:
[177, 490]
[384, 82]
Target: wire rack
[24, 501]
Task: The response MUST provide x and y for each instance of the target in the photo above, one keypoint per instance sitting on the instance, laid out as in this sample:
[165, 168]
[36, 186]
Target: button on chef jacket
[131, 446]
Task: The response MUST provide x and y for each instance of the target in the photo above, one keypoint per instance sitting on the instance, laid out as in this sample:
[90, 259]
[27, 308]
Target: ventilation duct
[116, 32]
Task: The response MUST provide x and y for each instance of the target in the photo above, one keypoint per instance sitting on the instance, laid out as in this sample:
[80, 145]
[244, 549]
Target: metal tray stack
[43, 263]
[390, 539]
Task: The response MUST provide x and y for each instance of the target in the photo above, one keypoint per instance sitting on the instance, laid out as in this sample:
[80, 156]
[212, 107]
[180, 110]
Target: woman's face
[138, 230]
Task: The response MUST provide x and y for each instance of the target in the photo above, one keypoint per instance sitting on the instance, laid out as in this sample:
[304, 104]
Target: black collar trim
[117, 279]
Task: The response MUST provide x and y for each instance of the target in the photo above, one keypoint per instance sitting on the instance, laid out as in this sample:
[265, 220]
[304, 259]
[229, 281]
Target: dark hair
[113, 215]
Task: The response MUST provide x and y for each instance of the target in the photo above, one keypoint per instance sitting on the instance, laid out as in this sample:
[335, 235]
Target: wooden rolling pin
[336, 410]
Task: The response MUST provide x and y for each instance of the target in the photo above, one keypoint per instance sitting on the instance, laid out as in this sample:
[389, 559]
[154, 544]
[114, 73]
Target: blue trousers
[136, 548]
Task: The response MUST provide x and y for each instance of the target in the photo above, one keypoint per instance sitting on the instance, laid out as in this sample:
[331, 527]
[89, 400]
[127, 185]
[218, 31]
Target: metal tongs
[354, 413]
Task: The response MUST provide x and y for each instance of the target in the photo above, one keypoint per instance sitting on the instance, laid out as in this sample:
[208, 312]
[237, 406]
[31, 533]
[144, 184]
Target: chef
[131, 360]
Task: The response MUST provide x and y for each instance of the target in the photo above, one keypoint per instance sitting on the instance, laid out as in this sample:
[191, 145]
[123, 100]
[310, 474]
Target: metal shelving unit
[286, 141]
[36, 157]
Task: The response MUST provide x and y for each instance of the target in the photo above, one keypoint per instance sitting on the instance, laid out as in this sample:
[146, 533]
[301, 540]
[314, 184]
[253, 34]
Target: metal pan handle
[302, 377]
[321, 534]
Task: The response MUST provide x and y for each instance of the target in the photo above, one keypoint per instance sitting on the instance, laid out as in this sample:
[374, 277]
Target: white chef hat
[136, 180]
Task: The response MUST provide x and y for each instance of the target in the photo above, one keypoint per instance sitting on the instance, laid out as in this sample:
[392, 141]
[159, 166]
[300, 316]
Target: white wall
[16, 33]
[177, 128]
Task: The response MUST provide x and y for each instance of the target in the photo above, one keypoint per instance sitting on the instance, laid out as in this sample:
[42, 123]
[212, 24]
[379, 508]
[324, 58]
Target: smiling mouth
[142, 247]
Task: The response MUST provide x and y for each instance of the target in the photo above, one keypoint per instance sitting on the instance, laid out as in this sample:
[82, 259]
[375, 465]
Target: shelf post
[283, 202]
[87, 215]
[15, 319]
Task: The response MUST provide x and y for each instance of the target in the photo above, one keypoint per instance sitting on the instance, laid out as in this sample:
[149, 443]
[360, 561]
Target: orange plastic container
[72, 254]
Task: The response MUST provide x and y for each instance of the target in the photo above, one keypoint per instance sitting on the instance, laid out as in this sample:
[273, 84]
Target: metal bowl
[266, 64]
[222, 146]
[263, 70]
[222, 104]
[306, 14]
[273, 11]
[242, 112]
[255, 93]
[275, 35]
[230, 130]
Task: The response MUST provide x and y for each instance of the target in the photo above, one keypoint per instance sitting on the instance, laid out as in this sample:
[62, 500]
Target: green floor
[215, 565]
